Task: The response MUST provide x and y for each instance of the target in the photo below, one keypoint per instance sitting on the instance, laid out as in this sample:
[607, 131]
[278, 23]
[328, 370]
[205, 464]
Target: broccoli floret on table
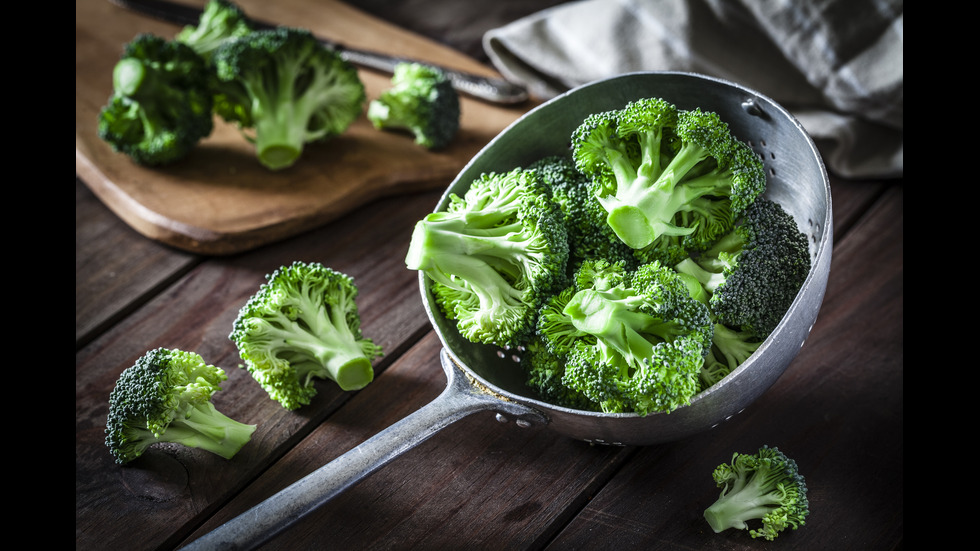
[161, 103]
[221, 21]
[422, 102]
[632, 341]
[493, 256]
[285, 89]
[670, 180]
[166, 397]
[303, 324]
[764, 486]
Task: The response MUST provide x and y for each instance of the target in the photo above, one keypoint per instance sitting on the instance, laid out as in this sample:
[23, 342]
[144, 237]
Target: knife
[489, 89]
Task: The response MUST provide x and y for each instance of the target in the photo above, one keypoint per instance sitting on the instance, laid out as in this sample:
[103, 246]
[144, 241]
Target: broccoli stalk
[166, 397]
[493, 256]
[421, 101]
[287, 90]
[303, 324]
[766, 486]
[161, 102]
[666, 175]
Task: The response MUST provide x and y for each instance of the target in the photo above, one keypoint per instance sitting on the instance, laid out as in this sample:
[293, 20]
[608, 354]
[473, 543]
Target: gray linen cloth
[835, 64]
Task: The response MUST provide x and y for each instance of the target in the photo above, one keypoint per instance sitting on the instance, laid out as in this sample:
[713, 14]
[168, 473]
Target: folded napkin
[835, 64]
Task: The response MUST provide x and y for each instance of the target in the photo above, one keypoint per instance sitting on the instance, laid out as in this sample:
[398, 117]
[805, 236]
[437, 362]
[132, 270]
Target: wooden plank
[837, 410]
[170, 489]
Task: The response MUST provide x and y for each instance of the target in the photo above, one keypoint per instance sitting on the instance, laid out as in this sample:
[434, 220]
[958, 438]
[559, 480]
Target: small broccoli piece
[765, 486]
[669, 179]
[285, 89]
[545, 372]
[633, 341]
[161, 102]
[421, 101]
[303, 324]
[221, 21]
[754, 272]
[493, 256]
[166, 397]
[588, 234]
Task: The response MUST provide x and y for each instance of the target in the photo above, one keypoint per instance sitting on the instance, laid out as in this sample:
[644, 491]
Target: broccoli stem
[203, 426]
[612, 321]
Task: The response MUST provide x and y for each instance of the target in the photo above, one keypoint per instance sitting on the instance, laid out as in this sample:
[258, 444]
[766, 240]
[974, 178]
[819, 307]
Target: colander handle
[263, 521]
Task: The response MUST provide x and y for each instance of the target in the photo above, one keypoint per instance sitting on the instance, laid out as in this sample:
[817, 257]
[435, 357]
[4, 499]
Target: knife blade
[494, 90]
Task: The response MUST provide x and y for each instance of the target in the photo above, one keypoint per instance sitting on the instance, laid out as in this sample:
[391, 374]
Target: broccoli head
[766, 486]
[545, 371]
[669, 179]
[166, 397]
[493, 256]
[303, 324]
[421, 101]
[754, 272]
[286, 89]
[221, 21]
[632, 341]
[161, 104]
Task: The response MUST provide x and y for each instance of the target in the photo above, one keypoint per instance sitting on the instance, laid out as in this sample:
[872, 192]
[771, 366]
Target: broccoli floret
[764, 486]
[221, 21]
[161, 103]
[754, 272]
[422, 102]
[669, 179]
[588, 234]
[286, 89]
[303, 324]
[633, 341]
[166, 397]
[493, 256]
[545, 371]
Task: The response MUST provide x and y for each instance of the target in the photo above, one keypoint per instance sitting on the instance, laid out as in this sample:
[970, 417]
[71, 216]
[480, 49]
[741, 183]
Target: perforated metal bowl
[484, 378]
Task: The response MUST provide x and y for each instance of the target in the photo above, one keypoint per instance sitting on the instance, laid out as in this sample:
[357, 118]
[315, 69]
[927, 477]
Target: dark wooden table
[478, 484]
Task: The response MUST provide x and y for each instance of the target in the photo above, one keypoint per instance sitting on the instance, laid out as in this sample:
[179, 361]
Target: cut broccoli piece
[633, 341]
[766, 486]
[161, 102]
[303, 324]
[287, 90]
[166, 397]
[221, 21]
[669, 179]
[494, 256]
[545, 372]
[421, 101]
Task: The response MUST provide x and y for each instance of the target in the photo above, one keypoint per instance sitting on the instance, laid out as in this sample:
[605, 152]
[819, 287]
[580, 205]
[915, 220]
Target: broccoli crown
[668, 179]
[166, 397]
[766, 486]
[588, 234]
[288, 89]
[221, 20]
[544, 371]
[422, 101]
[303, 324]
[754, 272]
[160, 107]
[633, 341]
[493, 256]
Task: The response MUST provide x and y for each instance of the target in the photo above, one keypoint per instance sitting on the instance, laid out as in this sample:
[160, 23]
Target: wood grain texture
[219, 200]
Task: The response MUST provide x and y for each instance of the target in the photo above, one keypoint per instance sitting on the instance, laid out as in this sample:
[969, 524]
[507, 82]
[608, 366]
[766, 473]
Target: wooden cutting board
[220, 200]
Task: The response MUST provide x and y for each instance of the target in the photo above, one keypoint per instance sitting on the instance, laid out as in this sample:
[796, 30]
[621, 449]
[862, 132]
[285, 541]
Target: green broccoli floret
[545, 372]
[422, 102]
[764, 486]
[588, 234]
[221, 21]
[161, 102]
[285, 89]
[303, 324]
[669, 179]
[493, 256]
[754, 272]
[166, 397]
[633, 341]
